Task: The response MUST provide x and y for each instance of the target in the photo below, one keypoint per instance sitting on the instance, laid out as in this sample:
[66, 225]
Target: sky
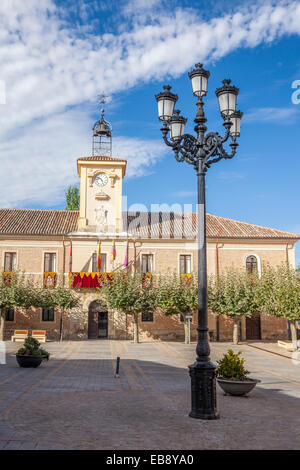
[57, 56]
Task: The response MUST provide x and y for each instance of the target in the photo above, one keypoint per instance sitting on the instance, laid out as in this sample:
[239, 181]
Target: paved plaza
[74, 401]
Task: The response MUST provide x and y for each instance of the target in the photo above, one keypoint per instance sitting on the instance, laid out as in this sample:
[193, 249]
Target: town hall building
[54, 246]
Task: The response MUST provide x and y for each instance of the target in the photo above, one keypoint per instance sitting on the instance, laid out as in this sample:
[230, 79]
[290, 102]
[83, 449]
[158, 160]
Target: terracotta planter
[237, 387]
[29, 361]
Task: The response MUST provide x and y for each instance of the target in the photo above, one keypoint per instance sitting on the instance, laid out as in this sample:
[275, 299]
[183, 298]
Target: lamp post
[201, 152]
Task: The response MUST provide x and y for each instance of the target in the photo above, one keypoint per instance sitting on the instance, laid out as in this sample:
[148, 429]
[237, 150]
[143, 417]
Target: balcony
[87, 280]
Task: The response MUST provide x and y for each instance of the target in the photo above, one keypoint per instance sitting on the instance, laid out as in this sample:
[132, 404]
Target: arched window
[251, 264]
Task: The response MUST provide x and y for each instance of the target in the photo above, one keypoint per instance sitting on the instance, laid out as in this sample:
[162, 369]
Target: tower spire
[102, 133]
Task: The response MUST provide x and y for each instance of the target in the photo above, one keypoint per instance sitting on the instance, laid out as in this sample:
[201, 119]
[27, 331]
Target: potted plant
[232, 375]
[31, 354]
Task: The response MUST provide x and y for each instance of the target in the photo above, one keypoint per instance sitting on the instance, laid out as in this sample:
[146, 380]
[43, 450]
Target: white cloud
[279, 115]
[50, 65]
[229, 176]
[39, 163]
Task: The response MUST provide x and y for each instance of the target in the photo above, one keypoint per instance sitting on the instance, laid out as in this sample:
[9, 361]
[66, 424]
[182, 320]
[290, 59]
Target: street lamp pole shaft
[203, 345]
[203, 372]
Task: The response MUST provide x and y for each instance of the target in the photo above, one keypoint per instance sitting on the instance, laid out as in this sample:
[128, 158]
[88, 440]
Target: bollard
[117, 368]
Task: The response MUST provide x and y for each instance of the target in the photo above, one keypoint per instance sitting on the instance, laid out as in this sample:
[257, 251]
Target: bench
[19, 335]
[40, 335]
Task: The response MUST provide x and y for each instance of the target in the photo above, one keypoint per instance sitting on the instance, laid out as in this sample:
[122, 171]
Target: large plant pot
[29, 361]
[237, 387]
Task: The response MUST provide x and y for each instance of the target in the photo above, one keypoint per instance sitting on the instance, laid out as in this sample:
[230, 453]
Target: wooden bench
[19, 335]
[40, 335]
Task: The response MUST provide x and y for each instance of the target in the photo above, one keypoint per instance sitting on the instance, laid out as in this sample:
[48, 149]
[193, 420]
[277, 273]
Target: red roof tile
[156, 225]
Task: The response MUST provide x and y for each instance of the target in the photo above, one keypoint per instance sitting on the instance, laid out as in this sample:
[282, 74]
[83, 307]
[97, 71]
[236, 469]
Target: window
[48, 314]
[147, 316]
[10, 261]
[251, 264]
[10, 314]
[147, 263]
[50, 262]
[185, 264]
[103, 263]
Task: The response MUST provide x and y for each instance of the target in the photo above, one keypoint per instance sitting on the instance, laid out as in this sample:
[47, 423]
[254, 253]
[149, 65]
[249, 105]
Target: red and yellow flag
[99, 256]
[113, 252]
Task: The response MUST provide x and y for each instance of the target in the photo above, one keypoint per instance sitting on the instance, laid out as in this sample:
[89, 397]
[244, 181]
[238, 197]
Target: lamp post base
[204, 399]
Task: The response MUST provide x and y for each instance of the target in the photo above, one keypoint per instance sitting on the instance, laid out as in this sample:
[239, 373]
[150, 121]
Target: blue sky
[56, 57]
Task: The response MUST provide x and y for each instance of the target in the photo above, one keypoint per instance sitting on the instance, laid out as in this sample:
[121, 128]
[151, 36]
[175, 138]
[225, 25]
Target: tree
[128, 294]
[6, 301]
[65, 299]
[280, 294]
[178, 295]
[72, 198]
[15, 291]
[235, 294]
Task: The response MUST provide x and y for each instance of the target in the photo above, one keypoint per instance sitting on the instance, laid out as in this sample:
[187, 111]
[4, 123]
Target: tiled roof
[102, 158]
[178, 225]
[156, 225]
[37, 222]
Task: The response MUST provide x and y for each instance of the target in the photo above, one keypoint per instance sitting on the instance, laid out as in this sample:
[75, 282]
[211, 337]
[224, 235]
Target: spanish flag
[113, 252]
[99, 257]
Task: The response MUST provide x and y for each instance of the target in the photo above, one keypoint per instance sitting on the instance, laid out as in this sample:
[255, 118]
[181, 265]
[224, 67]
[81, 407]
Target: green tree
[178, 295]
[15, 291]
[66, 299]
[235, 293]
[6, 301]
[128, 294]
[72, 198]
[280, 294]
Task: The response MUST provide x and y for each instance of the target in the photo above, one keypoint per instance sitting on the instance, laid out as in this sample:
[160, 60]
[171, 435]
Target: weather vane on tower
[102, 133]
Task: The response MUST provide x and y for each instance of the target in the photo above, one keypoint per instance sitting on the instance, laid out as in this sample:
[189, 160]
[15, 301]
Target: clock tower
[101, 178]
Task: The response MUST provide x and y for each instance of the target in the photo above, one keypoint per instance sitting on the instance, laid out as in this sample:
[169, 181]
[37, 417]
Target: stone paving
[74, 401]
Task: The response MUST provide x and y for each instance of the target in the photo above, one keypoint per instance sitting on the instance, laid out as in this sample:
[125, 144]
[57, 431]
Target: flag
[99, 257]
[113, 252]
[70, 262]
[126, 258]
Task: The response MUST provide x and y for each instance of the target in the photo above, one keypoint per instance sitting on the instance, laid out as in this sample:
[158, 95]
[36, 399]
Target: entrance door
[253, 327]
[93, 324]
[102, 324]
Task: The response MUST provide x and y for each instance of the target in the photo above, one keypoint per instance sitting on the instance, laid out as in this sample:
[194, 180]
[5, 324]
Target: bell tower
[101, 178]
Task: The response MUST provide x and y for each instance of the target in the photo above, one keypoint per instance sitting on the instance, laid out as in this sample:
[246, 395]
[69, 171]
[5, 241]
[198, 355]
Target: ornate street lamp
[201, 152]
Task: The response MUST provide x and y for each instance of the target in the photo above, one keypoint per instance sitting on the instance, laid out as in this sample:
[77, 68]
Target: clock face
[101, 179]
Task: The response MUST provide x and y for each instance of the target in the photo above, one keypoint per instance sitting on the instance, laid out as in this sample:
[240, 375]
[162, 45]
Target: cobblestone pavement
[74, 401]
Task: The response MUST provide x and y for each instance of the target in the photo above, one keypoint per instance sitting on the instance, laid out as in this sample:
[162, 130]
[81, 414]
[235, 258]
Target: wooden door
[253, 330]
[93, 324]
